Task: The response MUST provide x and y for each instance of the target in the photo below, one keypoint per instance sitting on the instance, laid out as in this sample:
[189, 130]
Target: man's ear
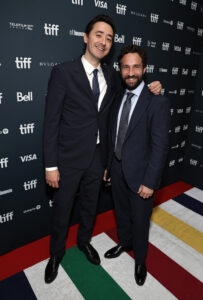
[85, 38]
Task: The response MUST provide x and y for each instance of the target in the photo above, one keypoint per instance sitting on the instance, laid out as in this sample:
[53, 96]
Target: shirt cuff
[51, 169]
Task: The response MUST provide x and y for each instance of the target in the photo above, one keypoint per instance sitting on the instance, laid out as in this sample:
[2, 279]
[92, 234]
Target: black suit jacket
[72, 119]
[146, 143]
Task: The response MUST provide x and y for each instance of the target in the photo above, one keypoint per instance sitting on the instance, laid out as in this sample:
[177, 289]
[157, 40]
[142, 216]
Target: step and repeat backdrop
[35, 36]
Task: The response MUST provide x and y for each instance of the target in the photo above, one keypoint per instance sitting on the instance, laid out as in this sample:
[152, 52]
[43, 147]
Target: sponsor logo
[180, 159]
[193, 5]
[138, 14]
[150, 69]
[163, 70]
[30, 185]
[172, 111]
[183, 2]
[51, 29]
[165, 46]
[162, 91]
[185, 127]
[188, 110]
[191, 91]
[187, 50]
[4, 131]
[194, 73]
[23, 62]
[1, 97]
[4, 162]
[200, 31]
[100, 4]
[175, 71]
[182, 144]
[32, 209]
[179, 110]
[51, 202]
[26, 97]
[175, 147]
[172, 163]
[154, 18]
[177, 48]
[170, 22]
[116, 66]
[173, 92]
[121, 9]
[137, 41]
[47, 64]
[180, 25]
[6, 217]
[76, 33]
[196, 146]
[6, 192]
[119, 39]
[196, 53]
[77, 2]
[151, 44]
[28, 157]
[199, 129]
[190, 28]
[193, 162]
[185, 71]
[27, 128]
[21, 26]
[177, 129]
[182, 92]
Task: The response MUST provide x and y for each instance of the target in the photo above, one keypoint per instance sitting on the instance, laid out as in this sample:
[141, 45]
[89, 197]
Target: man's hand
[145, 192]
[52, 178]
[155, 87]
[105, 177]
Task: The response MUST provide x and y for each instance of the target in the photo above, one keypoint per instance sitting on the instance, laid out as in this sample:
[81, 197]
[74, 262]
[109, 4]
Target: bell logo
[4, 162]
[23, 62]
[51, 29]
[21, 97]
[6, 217]
[121, 9]
[30, 185]
[27, 128]
[77, 2]
[119, 39]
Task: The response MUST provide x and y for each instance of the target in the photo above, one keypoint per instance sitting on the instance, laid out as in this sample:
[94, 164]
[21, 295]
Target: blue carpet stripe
[16, 287]
[190, 203]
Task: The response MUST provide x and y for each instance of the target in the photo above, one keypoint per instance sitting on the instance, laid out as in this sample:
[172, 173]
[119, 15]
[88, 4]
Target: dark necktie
[123, 126]
[95, 85]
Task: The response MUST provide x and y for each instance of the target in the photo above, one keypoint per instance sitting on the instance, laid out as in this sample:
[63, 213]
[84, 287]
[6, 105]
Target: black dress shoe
[116, 251]
[51, 270]
[90, 253]
[140, 273]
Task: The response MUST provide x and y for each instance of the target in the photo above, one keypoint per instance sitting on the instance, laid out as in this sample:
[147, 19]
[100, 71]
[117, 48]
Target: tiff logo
[185, 71]
[187, 50]
[121, 9]
[1, 97]
[183, 2]
[175, 71]
[100, 4]
[137, 41]
[185, 127]
[199, 129]
[162, 91]
[171, 163]
[182, 144]
[194, 73]
[182, 92]
[180, 25]
[188, 110]
[51, 202]
[154, 18]
[77, 2]
[4, 162]
[6, 217]
[177, 129]
[27, 128]
[30, 185]
[193, 5]
[172, 111]
[51, 29]
[177, 48]
[200, 31]
[193, 162]
[150, 68]
[21, 97]
[23, 62]
[165, 46]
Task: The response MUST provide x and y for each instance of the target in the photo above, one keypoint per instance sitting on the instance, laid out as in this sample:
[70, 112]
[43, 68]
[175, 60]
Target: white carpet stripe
[181, 253]
[195, 193]
[62, 288]
[121, 269]
[184, 214]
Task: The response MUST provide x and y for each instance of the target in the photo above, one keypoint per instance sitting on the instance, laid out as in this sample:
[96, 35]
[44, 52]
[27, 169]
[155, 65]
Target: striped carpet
[174, 262]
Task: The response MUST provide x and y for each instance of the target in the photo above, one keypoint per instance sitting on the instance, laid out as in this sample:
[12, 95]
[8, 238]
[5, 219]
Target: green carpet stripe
[93, 282]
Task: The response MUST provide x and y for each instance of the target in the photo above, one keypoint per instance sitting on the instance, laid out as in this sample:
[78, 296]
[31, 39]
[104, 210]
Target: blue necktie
[123, 126]
[95, 85]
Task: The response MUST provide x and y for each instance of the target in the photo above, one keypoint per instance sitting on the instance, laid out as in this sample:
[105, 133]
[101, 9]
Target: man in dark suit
[139, 144]
[78, 102]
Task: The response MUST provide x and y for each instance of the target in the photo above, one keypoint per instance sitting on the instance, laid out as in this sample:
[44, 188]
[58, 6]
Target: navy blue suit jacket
[146, 143]
[72, 119]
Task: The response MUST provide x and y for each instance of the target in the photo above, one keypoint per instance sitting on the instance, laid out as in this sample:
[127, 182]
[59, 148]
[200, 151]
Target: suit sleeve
[53, 112]
[159, 128]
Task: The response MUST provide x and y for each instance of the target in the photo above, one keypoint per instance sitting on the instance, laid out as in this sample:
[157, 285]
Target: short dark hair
[133, 49]
[100, 18]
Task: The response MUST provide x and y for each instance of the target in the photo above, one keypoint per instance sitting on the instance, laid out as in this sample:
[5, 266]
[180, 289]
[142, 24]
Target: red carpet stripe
[177, 280]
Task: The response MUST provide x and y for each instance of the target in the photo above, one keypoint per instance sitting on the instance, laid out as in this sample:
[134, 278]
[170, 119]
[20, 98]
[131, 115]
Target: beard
[132, 85]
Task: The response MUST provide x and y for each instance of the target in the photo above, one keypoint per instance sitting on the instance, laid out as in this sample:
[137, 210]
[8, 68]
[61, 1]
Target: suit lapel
[140, 108]
[107, 76]
[115, 111]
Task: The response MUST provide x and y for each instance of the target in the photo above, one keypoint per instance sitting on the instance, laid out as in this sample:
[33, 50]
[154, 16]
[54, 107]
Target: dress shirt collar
[136, 91]
[88, 67]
